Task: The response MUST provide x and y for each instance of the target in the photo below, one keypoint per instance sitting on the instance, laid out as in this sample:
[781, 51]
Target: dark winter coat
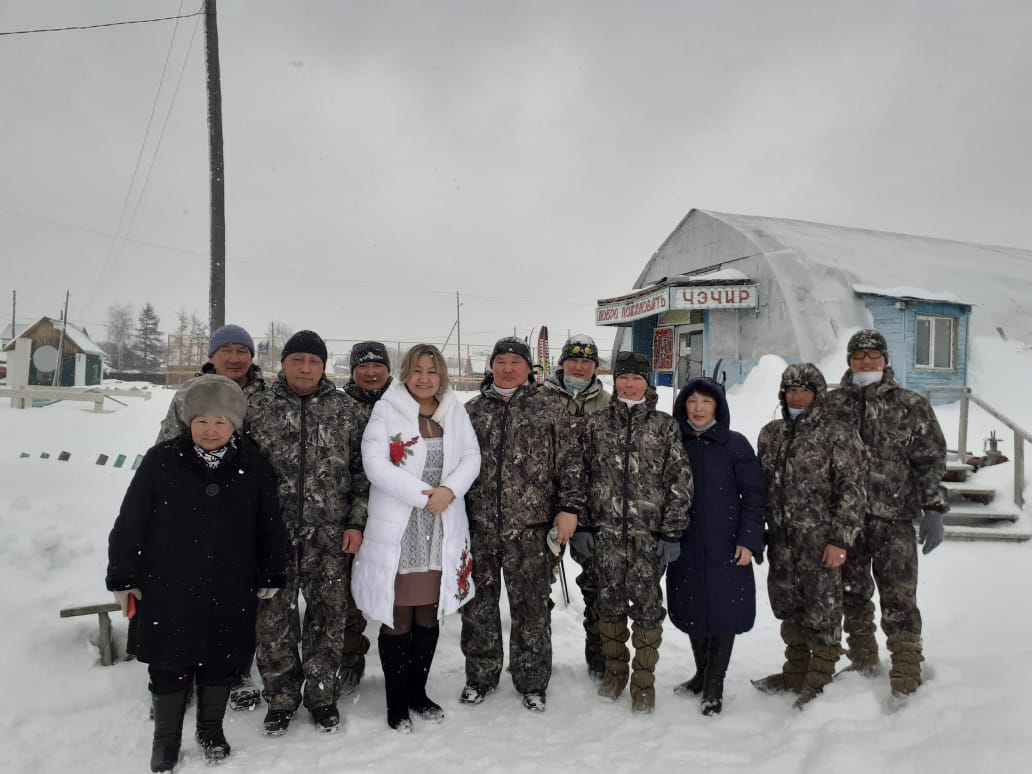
[815, 466]
[315, 444]
[198, 543]
[365, 399]
[638, 478]
[589, 400]
[707, 593]
[906, 446]
[531, 462]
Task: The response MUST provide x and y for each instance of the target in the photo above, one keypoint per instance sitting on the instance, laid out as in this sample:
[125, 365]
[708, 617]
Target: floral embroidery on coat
[400, 449]
[463, 573]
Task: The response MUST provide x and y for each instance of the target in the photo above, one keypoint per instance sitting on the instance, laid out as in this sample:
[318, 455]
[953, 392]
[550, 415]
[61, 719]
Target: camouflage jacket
[816, 470]
[587, 401]
[315, 445]
[531, 461]
[365, 399]
[173, 424]
[905, 443]
[638, 477]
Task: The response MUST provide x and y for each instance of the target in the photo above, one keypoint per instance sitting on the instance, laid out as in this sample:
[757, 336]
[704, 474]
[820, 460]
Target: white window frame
[930, 355]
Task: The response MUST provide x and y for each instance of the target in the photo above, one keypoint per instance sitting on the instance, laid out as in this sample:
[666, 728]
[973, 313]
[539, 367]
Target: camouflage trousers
[317, 569]
[633, 572]
[524, 559]
[587, 581]
[801, 589]
[885, 555]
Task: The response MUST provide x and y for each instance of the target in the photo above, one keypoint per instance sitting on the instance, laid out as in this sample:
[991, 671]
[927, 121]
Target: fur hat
[868, 338]
[580, 346]
[230, 334]
[369, 352]
[214, 394]
[632, 363]
[514, 346]
[307, 342]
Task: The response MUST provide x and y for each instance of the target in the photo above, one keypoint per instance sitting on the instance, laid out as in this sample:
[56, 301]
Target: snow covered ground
[65, 712]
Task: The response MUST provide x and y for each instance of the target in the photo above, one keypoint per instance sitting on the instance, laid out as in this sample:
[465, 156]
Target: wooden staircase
[975, 511]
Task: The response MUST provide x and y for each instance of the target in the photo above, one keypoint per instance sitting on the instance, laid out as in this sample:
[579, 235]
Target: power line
[198, 12]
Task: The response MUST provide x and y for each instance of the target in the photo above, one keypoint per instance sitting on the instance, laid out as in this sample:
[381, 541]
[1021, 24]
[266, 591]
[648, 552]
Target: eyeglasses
[583, 350]
[866, 354]
[634, 357]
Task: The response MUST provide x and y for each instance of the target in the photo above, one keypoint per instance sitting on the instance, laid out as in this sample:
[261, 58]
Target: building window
[936, 342]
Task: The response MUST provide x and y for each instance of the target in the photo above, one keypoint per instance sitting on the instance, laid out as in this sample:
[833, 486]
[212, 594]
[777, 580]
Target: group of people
[392, 500]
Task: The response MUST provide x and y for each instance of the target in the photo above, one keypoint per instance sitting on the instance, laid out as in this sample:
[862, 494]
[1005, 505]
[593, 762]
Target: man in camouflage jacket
[816, 471]
[907, 462]
[577, 388]
[531, 477]
[311, 434]
[639, 485]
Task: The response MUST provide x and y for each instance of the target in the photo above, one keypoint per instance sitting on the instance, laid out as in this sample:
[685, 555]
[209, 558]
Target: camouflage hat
[369, 352]
[580, 346]
[805, 375]
[868, 338]
[511, 345]
[632, 363]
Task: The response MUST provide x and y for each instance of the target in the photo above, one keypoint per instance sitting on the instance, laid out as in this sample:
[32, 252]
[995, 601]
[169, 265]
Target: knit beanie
[214, 394]
[511, 345]
[369, 352]
[632, 363]
[580, 346]
[307, 342]
[230, 334]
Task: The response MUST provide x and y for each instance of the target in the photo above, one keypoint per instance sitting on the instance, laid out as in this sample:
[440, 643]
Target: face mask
[573, 384]
[866, 378]
[704, 428]
[795, 413]
[627, 402]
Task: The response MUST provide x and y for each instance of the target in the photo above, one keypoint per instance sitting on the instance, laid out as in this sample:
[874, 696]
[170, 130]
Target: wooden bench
[107, 647]
[95, 395]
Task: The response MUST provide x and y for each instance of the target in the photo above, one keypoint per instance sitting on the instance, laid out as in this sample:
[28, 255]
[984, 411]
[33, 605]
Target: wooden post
[107, 648]
[962, 432]
[1019, 470]
[216, 167]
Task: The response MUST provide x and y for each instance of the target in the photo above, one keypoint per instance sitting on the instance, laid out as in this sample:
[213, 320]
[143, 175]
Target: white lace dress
[419, 569]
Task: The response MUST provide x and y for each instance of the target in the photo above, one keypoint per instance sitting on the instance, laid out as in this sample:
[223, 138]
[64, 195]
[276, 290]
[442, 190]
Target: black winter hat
[369, 352]
[513, 345]
[868, 338]
[308, 342]
[632, 363]
[580, 346]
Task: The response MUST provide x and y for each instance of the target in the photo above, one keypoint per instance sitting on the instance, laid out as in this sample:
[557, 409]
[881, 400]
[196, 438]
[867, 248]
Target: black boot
[168, 709]
[395, 660]
[700, 646]
[211, 709]
[424, 645]
[718, 656]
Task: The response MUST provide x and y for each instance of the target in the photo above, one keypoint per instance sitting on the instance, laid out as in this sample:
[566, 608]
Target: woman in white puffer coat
[421, 455]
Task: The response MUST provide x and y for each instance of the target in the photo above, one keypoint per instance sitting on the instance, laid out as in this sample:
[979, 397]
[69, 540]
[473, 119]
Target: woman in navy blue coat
[711, 594]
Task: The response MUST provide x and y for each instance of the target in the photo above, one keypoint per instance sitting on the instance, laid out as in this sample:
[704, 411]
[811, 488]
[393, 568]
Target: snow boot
[244, 695]
[718, 656]
[797, 662]
[861, 646]
[614, 648]
[905, 673]
[694, 686]
[646, 641]
[168, 710]
[395, 658]
[211, 710]
[821, 669]
[424, 645]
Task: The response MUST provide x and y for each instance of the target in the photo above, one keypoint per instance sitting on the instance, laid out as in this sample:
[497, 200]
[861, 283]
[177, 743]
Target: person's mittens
[668, 550]
[583, 542]
[930, 531]
[265, 593]
[122, 598]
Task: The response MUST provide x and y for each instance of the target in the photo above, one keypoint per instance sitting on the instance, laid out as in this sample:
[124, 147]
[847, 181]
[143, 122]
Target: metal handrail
[1020, 434]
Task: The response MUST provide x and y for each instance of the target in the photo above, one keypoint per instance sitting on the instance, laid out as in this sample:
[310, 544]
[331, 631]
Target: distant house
[81, 359]
[723, 290]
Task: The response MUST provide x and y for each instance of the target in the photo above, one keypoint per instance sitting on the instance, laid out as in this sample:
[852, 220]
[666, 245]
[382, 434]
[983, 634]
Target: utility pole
[458, 334]
[14, 305]
[60, 343]
[216, 170]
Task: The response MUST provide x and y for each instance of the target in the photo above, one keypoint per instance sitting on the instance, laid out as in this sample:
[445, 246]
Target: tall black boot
[424, 645]
[700, 647]
[168, 709]
[717, 658]
[395, 659]
[211, 709]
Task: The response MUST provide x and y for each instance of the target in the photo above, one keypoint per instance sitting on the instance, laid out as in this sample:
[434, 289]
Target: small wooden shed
[81, 359]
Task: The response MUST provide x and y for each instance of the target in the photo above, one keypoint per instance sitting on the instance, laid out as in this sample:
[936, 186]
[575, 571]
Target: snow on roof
[77, 336]
[901, 292]
[720, 275]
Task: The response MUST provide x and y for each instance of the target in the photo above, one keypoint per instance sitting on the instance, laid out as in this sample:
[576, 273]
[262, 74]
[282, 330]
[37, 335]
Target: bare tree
[276, 336]
[119, 331]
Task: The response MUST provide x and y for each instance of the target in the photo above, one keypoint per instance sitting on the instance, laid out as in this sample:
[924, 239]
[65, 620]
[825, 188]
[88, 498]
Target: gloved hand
[264, 593]
[583, 542]
[122, 598]
[930, 531]
[668, 550]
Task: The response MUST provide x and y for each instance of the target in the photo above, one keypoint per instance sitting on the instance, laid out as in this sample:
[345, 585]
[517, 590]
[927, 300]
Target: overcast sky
[381, 156]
